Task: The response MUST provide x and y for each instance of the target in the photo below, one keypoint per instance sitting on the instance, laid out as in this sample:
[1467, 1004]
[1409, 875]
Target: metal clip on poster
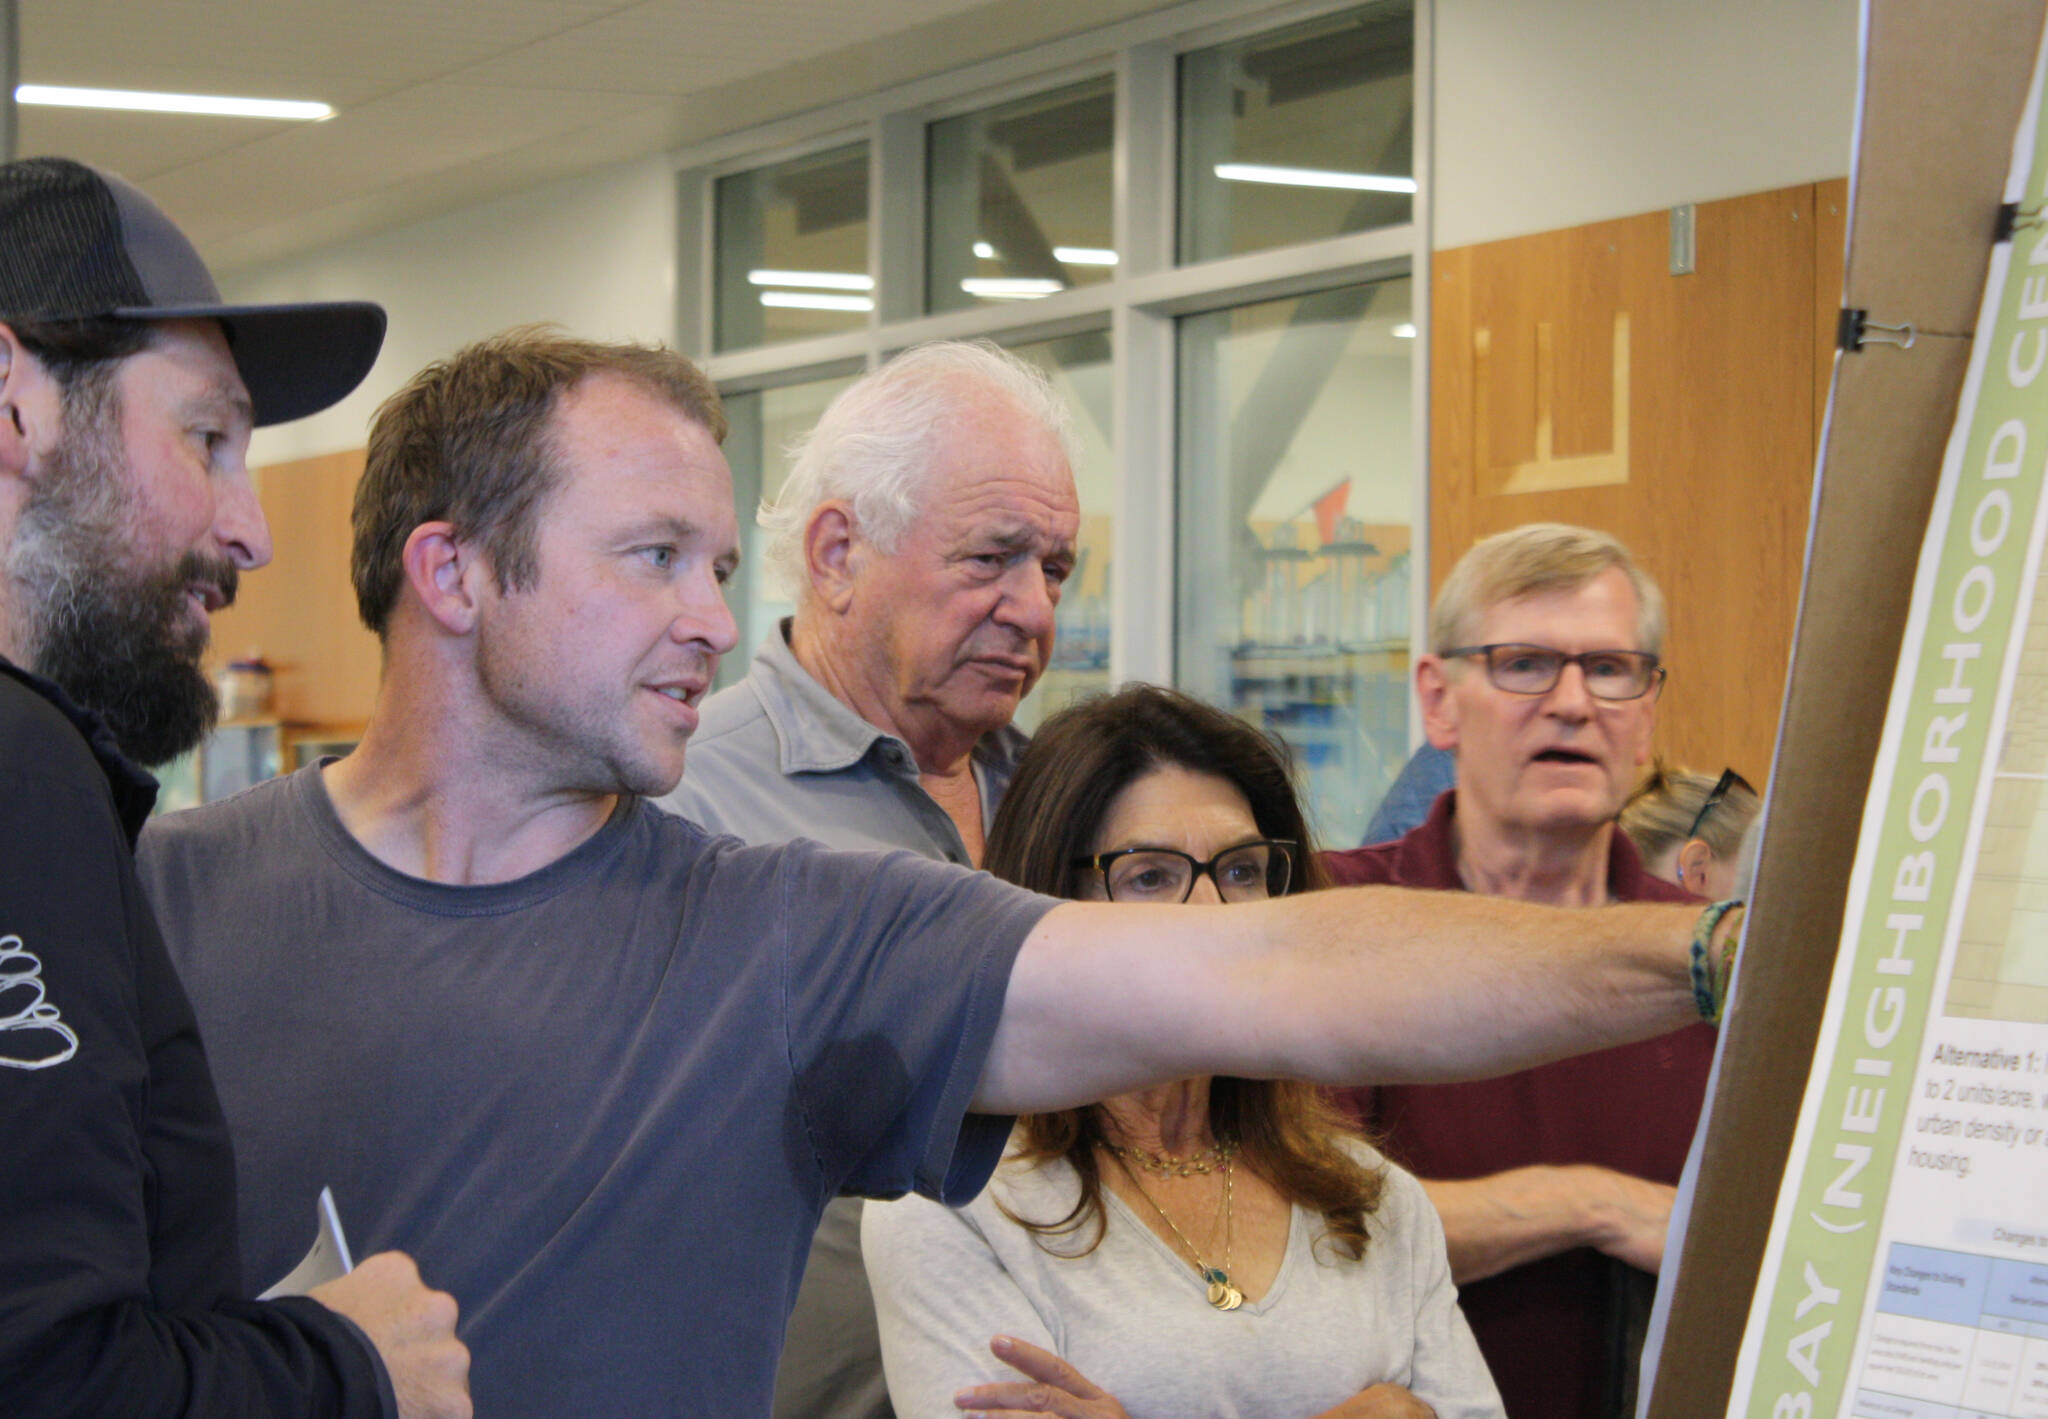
[2017, 216]
[1856, 329]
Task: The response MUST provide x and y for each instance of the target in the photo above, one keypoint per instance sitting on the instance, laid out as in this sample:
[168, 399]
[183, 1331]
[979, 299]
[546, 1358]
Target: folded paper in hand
[327, 1260]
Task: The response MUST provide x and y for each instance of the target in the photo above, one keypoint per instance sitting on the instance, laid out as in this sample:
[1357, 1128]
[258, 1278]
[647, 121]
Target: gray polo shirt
[777, 757]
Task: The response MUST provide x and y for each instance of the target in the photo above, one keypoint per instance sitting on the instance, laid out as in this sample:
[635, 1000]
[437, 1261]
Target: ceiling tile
[679, 46]
[262, 46]
[414, 134]
[450, 101]
[136, 148]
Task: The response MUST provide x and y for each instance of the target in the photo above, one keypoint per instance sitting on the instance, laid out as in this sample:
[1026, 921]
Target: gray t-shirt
[1132, 1317]
[777, 757]
[604, 1104]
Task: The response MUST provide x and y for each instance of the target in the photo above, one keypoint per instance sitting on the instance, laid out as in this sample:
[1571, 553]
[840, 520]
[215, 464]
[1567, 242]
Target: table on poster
[1957, 1336]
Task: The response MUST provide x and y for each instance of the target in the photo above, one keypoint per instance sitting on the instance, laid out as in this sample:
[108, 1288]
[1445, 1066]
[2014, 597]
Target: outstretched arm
[1358, 985]
[1512, 1218]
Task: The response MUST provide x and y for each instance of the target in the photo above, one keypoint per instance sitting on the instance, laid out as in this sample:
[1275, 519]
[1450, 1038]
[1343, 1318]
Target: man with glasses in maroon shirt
[1555, 1184]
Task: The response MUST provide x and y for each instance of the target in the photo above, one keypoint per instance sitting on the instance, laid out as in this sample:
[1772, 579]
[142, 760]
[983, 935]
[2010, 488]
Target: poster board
[1942, 91]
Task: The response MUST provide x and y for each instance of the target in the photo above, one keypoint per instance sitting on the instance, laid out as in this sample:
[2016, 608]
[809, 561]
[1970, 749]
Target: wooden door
[1575, 379]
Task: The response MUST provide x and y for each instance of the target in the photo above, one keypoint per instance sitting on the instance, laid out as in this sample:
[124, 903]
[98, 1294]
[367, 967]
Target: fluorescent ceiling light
[1312, 177]
[819, 280]
[132, 100]
[1011, 288]
[1085, 255]
[1404, 331]
[815, 300]
[985, 251]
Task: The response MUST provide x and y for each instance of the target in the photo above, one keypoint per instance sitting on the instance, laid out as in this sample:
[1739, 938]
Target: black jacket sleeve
[119, 1281]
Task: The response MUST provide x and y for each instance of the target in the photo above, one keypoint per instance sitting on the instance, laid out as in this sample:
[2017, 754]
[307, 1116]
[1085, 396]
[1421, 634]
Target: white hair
[875, 445]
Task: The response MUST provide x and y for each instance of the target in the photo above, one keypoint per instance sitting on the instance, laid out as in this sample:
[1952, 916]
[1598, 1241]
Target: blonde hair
[1660, 813]
[1538, 556]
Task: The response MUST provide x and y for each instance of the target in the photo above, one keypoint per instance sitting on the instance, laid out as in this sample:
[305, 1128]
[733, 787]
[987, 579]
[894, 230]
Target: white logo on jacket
[32, 1034]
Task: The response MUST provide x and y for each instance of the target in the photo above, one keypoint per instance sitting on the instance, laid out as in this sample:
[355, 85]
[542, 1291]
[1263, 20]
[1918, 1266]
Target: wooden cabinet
[299, 612]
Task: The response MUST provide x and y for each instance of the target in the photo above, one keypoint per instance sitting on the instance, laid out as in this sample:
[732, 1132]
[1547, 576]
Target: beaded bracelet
[1709, 976]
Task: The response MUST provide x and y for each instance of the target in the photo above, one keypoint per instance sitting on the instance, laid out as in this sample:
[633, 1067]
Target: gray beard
[114, 637]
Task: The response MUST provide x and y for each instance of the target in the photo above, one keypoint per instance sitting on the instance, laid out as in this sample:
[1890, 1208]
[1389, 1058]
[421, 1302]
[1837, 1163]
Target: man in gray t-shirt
[598, 1071]
[924, 529]
[522, 1080]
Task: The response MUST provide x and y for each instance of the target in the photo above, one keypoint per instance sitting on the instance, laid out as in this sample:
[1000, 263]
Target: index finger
[1042, 1365]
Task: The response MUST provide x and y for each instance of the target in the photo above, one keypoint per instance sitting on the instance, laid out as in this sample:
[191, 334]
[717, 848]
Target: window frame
[1140, 304]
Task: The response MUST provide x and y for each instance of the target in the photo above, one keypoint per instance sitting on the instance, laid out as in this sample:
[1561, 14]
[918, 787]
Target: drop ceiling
[446, 102]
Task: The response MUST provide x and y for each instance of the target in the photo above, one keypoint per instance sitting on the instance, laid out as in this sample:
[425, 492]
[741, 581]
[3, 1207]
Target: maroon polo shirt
[1542, 1327]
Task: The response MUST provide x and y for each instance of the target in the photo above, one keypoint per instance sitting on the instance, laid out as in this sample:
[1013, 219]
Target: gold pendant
[1224, 1296]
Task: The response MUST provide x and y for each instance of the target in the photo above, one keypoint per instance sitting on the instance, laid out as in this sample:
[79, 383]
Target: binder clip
[2013, 216]
[1856, 329]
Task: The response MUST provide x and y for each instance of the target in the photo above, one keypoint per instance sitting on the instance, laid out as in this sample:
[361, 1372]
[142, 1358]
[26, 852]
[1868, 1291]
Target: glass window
[1020, 203]
[1080, 368]
[793, 249]
[1295, 528]
[763, 424]
[1299, 133]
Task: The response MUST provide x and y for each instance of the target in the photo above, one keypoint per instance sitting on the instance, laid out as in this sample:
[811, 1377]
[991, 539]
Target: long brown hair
[1079, 761]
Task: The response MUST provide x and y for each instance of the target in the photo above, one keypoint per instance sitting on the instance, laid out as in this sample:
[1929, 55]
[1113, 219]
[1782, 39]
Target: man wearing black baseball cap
[128, 390]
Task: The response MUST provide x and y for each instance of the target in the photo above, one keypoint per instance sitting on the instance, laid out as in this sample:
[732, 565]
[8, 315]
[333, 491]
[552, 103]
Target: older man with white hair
[925, 529]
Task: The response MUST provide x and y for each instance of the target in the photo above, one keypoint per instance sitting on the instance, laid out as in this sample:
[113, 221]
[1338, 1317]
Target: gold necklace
[1167, 1165]
[1223, 1293]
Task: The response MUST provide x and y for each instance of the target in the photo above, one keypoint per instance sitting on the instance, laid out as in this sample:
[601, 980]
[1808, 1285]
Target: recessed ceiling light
[819, 280]
[1313, 177]
[985, 250]
[1008, 288]
[1404, 331]
[136, 101]
[815, 300]
[1084, 255]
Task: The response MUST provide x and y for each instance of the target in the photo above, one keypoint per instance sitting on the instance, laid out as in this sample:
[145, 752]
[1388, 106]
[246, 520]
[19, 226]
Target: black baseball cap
[76, 243]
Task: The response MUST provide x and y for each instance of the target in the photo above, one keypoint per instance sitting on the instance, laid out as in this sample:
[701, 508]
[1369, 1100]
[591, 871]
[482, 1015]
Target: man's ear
[31, 405]
[1439, 711]
[445, 575]
[833, 553]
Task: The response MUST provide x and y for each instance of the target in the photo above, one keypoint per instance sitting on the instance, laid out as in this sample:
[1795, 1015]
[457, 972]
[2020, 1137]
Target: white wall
[1554, 113]
[596, 254]
[1549, 113]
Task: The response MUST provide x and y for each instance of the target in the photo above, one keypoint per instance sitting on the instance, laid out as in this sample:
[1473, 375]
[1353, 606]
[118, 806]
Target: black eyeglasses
[1536, 669]
[1249, 872]
[1729, 779]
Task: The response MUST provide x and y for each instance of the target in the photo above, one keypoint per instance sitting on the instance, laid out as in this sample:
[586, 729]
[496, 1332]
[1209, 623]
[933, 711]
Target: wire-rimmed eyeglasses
[1729, 779]
[1249, 872]
[1536, 669]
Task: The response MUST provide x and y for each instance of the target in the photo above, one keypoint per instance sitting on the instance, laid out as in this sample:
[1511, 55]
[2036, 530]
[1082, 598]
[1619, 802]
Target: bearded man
[128, 391]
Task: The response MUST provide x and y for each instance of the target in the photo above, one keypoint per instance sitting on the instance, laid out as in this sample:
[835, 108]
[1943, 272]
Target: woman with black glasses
[1212, 1246]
